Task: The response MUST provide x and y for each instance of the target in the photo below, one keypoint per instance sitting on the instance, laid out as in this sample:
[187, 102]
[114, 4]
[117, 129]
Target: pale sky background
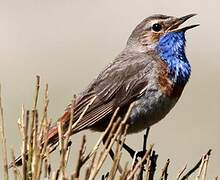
[68, 42]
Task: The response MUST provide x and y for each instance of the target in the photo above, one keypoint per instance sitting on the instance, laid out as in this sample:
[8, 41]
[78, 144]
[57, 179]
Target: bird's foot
[134, 154]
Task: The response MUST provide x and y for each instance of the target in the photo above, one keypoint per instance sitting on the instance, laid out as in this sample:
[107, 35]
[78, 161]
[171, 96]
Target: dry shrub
[36, 151]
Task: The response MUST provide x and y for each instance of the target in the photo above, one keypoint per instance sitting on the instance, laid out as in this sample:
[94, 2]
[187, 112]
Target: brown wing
[119, 84]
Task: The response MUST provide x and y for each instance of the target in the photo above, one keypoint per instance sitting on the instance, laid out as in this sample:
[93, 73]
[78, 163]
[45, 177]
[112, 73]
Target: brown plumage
[138, 75]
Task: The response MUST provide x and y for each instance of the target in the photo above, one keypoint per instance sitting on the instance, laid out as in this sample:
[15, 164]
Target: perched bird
[151, 72]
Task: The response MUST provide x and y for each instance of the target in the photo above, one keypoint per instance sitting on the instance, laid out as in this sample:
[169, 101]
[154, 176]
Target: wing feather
[94, 116]
[119, 84]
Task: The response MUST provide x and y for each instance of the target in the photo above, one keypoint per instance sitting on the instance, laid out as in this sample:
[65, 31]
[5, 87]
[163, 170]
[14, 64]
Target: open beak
[179, 21]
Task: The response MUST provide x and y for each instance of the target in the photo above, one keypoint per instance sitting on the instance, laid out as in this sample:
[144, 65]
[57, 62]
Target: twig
[37, 131]
[139, 164]
[164, 173]
[68, 133]
[25, 123]
[36, 146]
[14, 167]
[102, 136]
[81, 157]
[3, 140]
[181, 172]
[61, 147]
[109, 142]
[144, 150]
[195, 167]
[206, 160]
[36, 92]
[125, 172]
[118, 153]
[91, 167]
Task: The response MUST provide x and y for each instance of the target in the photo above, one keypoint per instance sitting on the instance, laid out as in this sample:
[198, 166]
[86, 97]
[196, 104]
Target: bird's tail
[52, 139]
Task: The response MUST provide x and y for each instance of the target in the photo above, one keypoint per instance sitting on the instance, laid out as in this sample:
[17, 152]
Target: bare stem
[3, 140]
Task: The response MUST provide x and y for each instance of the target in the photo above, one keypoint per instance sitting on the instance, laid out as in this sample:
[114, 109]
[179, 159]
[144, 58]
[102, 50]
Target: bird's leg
[136, 154]
[132, 152]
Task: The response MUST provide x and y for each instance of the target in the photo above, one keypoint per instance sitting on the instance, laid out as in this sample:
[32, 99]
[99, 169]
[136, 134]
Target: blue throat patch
[171, 48]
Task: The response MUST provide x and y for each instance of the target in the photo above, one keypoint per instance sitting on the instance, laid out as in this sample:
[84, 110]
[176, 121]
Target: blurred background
[68, 42]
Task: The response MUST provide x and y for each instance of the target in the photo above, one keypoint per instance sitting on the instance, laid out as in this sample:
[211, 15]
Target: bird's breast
[159, 98]
[149, 109]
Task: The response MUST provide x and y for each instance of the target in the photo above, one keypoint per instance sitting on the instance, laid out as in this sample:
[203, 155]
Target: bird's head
[159, 28]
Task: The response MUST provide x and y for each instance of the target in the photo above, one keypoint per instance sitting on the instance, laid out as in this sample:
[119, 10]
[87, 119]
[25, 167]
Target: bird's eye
[156, 27]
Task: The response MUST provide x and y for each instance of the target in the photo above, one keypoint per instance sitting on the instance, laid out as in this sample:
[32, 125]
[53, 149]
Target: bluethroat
[151, 72]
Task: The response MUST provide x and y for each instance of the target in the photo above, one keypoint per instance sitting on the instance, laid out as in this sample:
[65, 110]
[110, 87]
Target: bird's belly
[149, 109]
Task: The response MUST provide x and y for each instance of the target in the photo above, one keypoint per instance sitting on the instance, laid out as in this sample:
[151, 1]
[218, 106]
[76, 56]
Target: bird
[150, 72]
